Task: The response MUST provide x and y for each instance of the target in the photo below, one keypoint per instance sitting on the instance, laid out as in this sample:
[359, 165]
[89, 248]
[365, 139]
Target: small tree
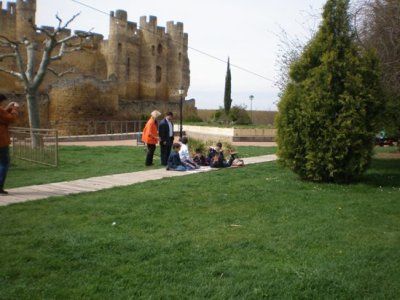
[228, 89]
[328, 111]
[31, 72]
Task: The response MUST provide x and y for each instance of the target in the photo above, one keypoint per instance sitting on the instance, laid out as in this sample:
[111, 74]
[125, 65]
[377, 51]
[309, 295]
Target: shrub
[237, 116]
[205, 145]
[328, 111]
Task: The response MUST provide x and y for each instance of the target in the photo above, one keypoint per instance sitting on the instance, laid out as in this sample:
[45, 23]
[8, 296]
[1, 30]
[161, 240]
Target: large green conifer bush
[329, 110]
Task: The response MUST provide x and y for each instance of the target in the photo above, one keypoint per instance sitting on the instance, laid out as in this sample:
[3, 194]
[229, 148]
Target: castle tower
[25, 17]
[117, 44]
[177, 60]
[148, 58]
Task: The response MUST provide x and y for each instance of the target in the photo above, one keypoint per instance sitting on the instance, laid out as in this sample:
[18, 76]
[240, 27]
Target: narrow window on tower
[159, 49]
[128, 67]
[119, 47]
[180, 56]
[158, 74]
[153, 50]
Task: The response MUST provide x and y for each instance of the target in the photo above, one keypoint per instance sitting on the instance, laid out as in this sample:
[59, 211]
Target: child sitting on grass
[199, 158]
[174, 162]
[216, 157]
[184, 155]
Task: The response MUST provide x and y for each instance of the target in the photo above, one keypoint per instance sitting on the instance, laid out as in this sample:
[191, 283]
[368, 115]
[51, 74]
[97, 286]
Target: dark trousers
[150, 153]
[165, 151]
[4, 165]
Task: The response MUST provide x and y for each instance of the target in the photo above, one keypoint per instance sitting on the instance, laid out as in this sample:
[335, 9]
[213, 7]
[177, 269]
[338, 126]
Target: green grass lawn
[85, 162]
[242, 233]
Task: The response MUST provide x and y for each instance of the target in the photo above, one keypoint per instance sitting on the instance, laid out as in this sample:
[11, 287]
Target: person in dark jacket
[166, 134]
[174, 161]
[216, 157]
[8, 114]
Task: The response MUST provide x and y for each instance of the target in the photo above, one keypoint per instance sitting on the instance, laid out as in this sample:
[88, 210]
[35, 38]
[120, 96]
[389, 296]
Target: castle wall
[8, 20]
[145, 66]
[82, 98]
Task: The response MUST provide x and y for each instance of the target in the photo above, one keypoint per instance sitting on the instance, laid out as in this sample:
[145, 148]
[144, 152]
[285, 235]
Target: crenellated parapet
[9, 10]
[143, 61]
[26, 4]
[26, 15]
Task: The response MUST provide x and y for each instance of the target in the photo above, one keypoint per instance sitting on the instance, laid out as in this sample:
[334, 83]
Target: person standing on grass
[8, 114]
[150, 136]
[166, 132]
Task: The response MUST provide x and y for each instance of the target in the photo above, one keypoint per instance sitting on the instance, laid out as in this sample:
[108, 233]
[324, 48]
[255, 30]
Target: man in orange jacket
[8, 114]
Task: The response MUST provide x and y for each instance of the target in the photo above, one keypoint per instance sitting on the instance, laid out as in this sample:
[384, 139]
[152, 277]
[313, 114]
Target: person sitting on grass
[199, 158]
[174, 162]
[216, 157]
[184, 155]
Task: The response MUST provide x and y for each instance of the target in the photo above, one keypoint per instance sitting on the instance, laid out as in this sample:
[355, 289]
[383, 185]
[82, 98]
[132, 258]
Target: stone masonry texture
[138, 69]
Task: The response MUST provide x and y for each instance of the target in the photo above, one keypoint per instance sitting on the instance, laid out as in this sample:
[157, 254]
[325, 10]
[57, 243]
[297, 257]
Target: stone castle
[138, 69]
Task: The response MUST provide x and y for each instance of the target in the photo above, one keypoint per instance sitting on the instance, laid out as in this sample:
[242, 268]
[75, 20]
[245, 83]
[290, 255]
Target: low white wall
[227, 134]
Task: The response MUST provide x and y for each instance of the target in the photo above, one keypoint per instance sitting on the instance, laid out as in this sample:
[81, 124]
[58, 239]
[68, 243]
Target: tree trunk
[34, 117]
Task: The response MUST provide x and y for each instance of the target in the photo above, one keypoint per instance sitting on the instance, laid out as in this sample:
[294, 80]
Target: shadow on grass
[383, 172]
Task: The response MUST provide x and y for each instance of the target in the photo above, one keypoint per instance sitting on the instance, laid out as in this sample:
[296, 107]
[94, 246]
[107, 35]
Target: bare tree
[289, 51]
[31, 72]
[378, 27]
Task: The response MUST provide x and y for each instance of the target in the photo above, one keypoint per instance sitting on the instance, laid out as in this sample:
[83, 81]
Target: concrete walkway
[36, 192]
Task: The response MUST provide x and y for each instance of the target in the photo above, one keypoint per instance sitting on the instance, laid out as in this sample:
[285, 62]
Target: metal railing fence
[94, 127]
[35, 145]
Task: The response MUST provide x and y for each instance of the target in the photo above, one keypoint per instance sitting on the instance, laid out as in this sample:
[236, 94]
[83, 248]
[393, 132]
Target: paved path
[36, 192]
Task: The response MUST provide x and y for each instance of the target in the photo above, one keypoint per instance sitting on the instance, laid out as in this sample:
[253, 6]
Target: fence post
[56, 148]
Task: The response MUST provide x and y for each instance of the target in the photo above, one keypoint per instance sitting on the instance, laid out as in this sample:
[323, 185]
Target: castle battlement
[26, 4]
[150, 25]
[161, 31]
[175, 29]
[9, 10]
[132, 29]
[120, 15]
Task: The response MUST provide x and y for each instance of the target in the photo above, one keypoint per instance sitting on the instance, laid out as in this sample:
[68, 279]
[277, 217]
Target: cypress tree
[228, 91]
[329, 110]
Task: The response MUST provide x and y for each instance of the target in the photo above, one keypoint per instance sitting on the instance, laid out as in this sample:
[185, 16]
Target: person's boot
[3, 192]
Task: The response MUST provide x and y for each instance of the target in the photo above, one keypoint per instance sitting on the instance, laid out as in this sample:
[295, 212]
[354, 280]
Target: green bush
[237, 116]
[328, 113]
[192, 119]
[205, 145]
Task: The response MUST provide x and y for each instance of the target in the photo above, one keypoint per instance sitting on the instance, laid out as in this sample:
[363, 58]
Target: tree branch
[3, 56]
[61, 74]
[68, 22]
[15, 74]
[8, 41]
[20, 65]
[64, 49]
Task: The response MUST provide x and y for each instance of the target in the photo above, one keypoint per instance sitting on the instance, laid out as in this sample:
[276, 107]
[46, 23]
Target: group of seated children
[180, 159]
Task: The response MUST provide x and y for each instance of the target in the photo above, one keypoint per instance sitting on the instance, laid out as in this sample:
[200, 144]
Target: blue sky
[244, 30]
